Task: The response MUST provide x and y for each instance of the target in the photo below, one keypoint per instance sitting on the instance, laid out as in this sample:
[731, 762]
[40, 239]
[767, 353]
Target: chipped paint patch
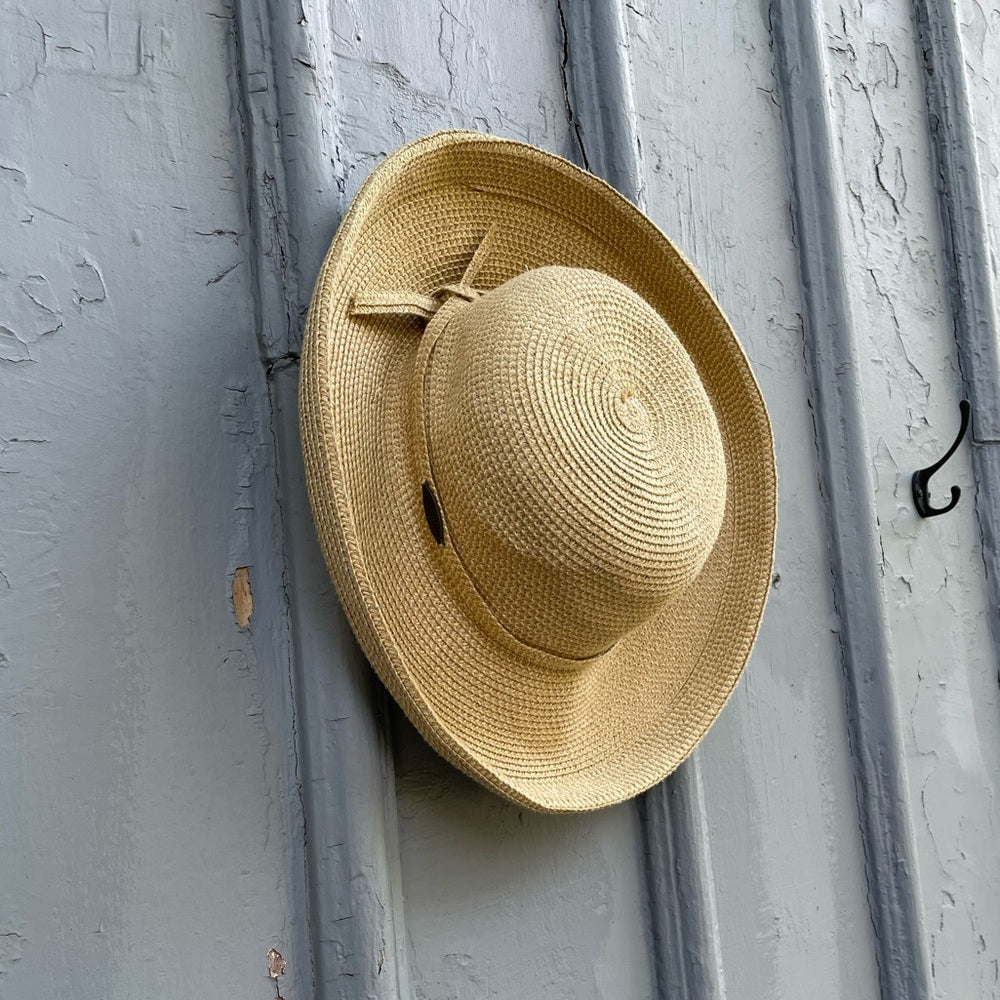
[10, 949]
[275, 969]
[12, 348]
[242, 596]
[29, 316]
[24, 51]
[89, 285]
[38, 289]
[275, 963]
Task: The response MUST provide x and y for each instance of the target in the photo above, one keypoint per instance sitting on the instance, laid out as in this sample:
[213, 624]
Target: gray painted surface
[847, 484]
[283, 94]
[182, 793]
[964, 171]
[497, 902]
[943, 664]
[777, 763]
[150, 832]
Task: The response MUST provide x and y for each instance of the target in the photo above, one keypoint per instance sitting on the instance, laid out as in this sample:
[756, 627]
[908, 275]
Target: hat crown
[576, 456]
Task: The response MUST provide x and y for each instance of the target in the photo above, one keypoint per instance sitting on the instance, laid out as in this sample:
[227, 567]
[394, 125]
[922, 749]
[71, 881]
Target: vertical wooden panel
[151, 838]
[502, 902]
[893, 363]
[955, 717]
[848, 487]
[896, 277]
[781, 855]
[679, 888]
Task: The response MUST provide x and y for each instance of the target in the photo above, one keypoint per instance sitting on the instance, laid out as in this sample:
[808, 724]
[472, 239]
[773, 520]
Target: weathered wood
[776, 762]
[503, 902]
[964, 214]
[680, 889]
[959, 45]
[345, 767]
[600, 93]
[943, 666]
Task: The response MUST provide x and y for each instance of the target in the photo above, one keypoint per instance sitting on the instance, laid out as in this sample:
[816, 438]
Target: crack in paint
[447, 57]
[572, 117]
[223, 273]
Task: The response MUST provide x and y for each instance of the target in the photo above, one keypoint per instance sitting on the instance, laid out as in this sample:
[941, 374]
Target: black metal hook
[921, 478]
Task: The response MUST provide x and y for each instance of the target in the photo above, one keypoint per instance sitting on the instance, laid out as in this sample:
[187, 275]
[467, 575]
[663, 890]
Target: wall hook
[921, 478]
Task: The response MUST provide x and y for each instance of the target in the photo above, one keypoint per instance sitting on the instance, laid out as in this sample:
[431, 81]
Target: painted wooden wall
[196, 764]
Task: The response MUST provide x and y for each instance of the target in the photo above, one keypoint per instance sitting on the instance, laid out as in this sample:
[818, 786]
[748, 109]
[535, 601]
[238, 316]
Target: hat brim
[553, 736]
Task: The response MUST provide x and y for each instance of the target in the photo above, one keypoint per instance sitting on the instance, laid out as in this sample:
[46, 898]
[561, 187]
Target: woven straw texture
[501, 336]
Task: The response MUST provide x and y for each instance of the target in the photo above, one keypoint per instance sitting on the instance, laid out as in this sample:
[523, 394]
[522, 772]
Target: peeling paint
[242, 596]
[38, 289]
[275, 963]
[933, 579]
[175, 469]
[88, 286]
[12, 348]
[11, 945]
[28, 316]
[24, 51]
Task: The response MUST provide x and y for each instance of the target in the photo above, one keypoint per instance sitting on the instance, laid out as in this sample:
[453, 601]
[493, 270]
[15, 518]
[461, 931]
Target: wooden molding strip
[680, 889]
[970, 283]
[600, 97]
[848, 492]
[343, 783]
[256, 101]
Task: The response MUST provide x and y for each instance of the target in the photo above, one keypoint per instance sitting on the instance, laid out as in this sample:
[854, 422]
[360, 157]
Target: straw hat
[540, 468]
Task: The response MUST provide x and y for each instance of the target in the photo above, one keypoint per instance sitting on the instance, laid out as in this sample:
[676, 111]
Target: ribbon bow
[425, 306]
[432, 309]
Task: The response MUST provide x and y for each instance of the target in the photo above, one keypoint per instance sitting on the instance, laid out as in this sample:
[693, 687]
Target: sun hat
[540, 468]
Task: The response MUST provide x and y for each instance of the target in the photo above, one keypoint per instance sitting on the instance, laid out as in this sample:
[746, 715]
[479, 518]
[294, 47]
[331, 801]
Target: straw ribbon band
[436, 310]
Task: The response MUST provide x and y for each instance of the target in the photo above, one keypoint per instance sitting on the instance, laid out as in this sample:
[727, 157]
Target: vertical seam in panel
[970, 287]
[256, 103]
[252, 97]
[335, 891]
[847, 491]
[600, 98]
